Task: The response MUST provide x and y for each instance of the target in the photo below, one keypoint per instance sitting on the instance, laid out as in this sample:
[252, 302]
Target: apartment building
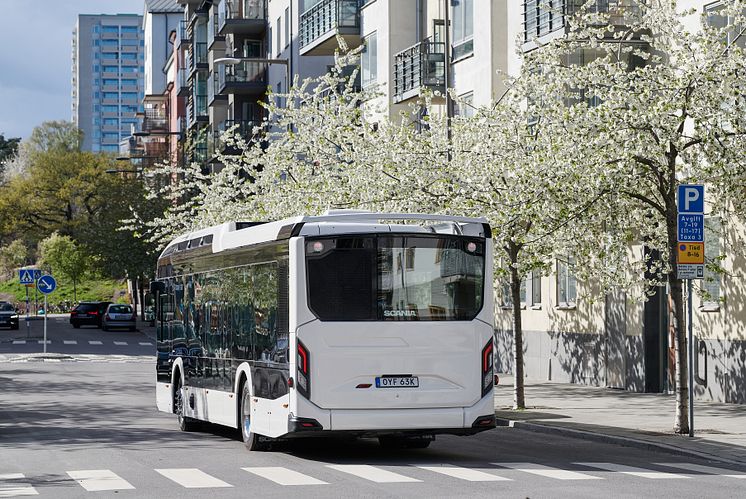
[613, 341]
[107, 78]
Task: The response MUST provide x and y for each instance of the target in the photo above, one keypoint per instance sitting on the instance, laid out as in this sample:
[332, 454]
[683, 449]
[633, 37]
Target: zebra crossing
[97, 480]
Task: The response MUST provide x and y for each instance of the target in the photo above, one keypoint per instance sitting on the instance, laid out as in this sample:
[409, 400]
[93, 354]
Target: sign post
[26, 277]
[46, 284]
[691, 263]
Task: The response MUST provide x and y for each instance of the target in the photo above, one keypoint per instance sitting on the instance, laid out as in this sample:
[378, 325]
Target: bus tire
[185, 423]
[251, 440]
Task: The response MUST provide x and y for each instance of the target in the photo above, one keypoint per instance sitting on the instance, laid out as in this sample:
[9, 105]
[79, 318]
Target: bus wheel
[185, 423]
[250, 439]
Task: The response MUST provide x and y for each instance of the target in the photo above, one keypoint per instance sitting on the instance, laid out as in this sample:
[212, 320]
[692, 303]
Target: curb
[614, 439]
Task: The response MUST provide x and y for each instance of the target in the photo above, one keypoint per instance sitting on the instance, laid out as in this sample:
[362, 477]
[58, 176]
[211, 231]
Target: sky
[36, 62]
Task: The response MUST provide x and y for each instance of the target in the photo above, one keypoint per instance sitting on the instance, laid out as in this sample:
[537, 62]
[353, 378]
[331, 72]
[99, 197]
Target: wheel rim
[179, 402]
[246, 415]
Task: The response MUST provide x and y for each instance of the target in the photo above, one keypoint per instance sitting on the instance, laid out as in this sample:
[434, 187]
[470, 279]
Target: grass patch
[87, 290]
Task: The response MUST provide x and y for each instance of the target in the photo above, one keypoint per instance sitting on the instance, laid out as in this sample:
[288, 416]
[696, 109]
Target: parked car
[119, 315]
[88, 313]
[8, 315]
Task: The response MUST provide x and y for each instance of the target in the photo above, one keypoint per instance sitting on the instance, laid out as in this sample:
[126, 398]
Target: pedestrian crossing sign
[26, 276]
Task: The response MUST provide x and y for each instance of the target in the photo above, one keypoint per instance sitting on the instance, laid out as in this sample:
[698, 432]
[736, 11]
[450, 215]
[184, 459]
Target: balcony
[198, 56]
[182, 80]
[155, 118]
[419, 67]
[242, 17]
[219, 146]
[244, 78]
[320, 25]
[542, 18]
[183, 35]
[214, 97]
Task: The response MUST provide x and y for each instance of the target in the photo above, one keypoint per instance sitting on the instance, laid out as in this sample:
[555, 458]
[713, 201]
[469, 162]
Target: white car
[119, 315]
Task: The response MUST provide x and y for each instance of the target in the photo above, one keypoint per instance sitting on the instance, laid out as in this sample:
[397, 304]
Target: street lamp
[114, 170]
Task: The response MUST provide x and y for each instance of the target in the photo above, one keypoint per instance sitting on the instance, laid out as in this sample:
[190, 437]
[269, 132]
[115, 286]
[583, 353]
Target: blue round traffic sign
[46, 284]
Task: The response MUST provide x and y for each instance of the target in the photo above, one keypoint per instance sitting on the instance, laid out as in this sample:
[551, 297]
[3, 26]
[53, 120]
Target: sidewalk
[625, 418]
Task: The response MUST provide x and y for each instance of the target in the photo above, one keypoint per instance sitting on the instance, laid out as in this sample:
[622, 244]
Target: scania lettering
[367, 324]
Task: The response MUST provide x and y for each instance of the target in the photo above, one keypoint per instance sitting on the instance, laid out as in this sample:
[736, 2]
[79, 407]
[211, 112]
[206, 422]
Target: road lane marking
[70, 342]
[547, 471]
[95, 342]
[709, 470]
[467, 474]
[120, 343]
[19, 342]
[284, 476]
[146, 344]
[372, 473]
[633, 471]
[15, 489]
[96, 480]
[41, 342]
[192, 478]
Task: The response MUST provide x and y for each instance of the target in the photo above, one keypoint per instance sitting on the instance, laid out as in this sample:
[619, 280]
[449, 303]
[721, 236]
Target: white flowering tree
[653, 104]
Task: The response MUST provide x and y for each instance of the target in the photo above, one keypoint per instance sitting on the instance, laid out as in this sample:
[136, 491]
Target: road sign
[46, 284]
[37, 274]
[691, 227]
[691, 198]
[26, 276]
[691, 253]
[690, 271]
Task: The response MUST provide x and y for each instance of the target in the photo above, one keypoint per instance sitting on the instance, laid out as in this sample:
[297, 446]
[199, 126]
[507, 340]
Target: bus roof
[236, 234]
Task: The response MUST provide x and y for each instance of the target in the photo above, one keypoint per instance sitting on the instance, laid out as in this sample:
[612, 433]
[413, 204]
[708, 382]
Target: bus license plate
[397, 382]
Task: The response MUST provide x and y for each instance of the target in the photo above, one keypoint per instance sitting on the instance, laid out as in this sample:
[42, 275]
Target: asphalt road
[83, 428]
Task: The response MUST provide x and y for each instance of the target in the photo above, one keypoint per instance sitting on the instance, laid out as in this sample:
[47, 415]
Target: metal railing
[244, 72]
[155, 119]
[541, 17]
[421, 65]
[182, 78]
[198, 54]
[328, 15]
[241, 9]
[182, 34]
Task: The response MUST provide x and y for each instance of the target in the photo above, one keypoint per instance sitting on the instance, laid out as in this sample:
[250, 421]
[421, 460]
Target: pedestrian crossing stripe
[17, 484]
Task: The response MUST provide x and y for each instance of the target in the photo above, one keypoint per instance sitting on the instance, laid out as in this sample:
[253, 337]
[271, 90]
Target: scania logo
[399, 313]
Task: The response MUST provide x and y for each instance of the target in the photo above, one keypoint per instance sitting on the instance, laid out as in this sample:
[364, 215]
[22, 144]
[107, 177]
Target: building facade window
[506, 295]
[278, 34]
[536, 288]
[711, 284]
[369, 60]
[463, 28]
[541, 17]
[567, 291]
[466, 105]
[287, 27]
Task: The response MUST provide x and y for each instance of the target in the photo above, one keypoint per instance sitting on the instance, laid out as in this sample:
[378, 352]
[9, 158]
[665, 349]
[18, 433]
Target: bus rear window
[395, 278]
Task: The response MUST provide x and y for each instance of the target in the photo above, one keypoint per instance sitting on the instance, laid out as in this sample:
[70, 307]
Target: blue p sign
[691, 198]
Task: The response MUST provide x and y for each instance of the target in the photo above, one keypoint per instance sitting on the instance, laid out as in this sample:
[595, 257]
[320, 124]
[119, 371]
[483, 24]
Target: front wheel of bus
[250, 439]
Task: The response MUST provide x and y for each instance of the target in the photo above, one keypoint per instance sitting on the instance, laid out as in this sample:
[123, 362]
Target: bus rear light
[291, 382]
[304, 371]
[364, 385]
[488, 379]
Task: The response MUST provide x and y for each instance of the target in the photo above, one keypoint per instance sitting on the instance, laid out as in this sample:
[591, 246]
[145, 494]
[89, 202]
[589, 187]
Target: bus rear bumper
[451, 420]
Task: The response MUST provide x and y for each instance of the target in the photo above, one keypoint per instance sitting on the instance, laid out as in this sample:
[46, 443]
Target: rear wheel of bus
[252, 441]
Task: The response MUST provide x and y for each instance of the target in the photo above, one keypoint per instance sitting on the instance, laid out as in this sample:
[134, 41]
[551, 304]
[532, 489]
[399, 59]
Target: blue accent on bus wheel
[247, 426]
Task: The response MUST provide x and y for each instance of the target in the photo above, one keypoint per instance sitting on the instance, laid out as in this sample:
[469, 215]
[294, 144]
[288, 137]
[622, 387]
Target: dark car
[8, 316]
[88, 313]
[119, 315]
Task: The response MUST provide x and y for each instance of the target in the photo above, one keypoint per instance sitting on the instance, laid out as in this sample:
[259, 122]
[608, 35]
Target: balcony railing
[420, 66]
[326, 16]
[542, 17]
[155, 119]
[198, 55]
[182, 79]
[244, 129]
[182, 33]
[242, 16]
[244, 77]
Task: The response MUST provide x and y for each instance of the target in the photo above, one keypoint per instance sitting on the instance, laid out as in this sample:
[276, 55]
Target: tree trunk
[519, 399]
[681, 422]
[75, 289]
[141, 283]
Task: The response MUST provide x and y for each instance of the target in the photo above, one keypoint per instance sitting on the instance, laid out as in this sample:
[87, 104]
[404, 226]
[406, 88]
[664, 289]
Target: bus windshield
[393, 277]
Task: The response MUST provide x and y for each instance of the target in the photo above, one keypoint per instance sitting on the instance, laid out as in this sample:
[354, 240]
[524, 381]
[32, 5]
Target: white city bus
[371, 324]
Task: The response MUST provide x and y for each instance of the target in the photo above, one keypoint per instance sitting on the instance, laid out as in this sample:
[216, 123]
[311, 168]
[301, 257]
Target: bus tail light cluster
[304, 371]
[487, 363]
